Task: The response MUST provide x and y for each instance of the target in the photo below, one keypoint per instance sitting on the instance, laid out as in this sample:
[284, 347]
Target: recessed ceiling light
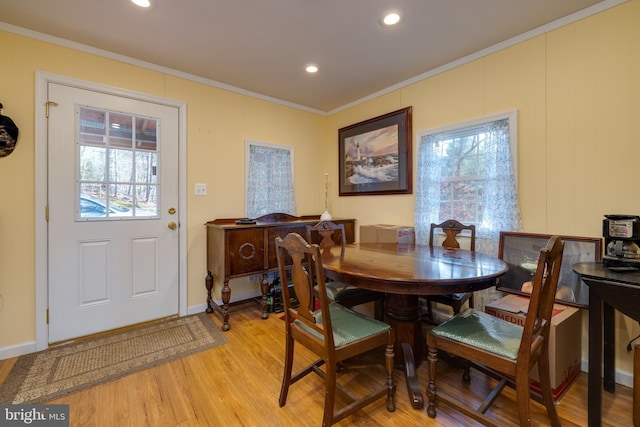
[141, 3]
[391, 18]
[312, 69]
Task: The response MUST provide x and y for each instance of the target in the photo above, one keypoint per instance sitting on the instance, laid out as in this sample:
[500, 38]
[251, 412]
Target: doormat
[68, 368]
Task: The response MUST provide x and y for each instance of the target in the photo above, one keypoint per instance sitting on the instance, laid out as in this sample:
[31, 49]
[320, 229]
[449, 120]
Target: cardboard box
[565, 340]
[385, 233]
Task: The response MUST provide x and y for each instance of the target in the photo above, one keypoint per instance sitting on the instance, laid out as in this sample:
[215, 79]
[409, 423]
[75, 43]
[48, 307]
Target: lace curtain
[269, 181]
[500, 210]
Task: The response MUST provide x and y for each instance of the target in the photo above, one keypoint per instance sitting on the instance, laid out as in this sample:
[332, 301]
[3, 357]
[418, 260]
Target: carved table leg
[209, 284]
[415, 396]
[264, 288]
[401, 312]
[226, 297]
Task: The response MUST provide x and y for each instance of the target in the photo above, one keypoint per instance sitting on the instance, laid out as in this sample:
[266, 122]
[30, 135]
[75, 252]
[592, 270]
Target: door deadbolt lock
[172, 225]
[172, 211]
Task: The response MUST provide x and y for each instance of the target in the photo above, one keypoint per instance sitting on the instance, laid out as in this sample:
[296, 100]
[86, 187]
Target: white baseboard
[624, 378]
[195, 309]
[17, 350]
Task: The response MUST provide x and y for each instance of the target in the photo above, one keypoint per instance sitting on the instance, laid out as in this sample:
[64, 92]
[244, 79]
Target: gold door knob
[172, 225]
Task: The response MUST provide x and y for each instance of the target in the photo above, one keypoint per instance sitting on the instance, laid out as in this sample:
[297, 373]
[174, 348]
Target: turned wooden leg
[264, 288]
[391, 385]
[466, 374]
[209, 284]
[432, 357]
[226, 297]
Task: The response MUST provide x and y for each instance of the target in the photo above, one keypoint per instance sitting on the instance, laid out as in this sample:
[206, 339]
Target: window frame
[108, 146]
[510, 115]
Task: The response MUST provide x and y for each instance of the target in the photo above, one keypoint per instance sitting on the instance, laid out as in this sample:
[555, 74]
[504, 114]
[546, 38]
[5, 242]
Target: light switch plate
[201, 190]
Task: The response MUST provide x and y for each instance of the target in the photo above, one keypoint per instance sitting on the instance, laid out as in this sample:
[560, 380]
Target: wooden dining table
[404, 273]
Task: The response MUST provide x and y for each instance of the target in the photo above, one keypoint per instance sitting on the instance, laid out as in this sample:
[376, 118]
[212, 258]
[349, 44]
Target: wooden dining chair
[451, 228]
[326, 233]
[502, 347]
[334, 333]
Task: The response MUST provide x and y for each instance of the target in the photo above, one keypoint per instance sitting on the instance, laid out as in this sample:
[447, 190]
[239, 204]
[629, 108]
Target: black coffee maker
[622, 242]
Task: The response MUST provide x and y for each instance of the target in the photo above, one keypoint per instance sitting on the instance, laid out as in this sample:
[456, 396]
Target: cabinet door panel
[245, 249]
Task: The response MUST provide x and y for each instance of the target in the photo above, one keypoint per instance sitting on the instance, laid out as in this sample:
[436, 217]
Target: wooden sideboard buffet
[235, 250]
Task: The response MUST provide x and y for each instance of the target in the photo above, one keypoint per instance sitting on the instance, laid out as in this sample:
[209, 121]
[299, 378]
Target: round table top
[598, 270]
[414, 270]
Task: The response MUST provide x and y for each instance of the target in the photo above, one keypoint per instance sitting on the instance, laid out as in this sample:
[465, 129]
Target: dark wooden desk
[608, 291]
[406, 272]
[237, 250]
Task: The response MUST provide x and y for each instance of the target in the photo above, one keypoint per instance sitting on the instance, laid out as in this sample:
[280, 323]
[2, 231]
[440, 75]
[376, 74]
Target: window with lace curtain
[269, 179]
[467, 172]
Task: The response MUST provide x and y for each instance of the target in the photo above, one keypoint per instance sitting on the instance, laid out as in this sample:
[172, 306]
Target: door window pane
[120, 131]
[92, 164]
[118, 165]
[146, 167]
[146, 132]
[92, 127]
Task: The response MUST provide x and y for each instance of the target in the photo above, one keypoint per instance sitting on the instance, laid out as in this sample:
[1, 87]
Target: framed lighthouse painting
[375, 155]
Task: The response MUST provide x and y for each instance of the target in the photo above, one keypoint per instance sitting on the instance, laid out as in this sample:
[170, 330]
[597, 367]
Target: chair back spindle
[306, 273]
[329, 232]
[452, 228]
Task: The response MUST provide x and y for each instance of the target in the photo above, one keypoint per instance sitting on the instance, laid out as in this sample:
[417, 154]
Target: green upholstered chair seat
[456, 297]
[348, 325]
[484, 331]
[337, 291]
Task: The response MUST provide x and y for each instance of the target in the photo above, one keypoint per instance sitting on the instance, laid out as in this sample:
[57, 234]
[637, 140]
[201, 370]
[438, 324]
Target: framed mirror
[521, 251]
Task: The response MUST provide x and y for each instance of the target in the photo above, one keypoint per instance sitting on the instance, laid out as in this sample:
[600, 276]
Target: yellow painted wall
[577, 93]
[576, 90]
[218, 122]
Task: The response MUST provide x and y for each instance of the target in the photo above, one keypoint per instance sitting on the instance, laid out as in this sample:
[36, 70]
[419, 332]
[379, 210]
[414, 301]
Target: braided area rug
[64, 369]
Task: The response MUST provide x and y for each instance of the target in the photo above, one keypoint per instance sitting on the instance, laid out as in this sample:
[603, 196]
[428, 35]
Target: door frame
[42, 195]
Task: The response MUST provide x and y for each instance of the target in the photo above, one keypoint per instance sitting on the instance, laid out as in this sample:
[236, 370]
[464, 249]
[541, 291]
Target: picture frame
[521, 252]
[375, 155]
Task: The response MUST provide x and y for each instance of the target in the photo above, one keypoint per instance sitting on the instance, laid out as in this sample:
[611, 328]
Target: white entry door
[113, 224]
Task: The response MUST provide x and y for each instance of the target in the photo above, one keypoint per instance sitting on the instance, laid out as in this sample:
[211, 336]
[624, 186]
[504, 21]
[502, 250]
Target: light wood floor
[238, 384]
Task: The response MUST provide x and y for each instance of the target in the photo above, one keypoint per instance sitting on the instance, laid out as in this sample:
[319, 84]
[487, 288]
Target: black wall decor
[8, 134]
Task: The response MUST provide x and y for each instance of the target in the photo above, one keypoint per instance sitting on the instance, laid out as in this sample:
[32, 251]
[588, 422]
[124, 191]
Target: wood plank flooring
[238, 384]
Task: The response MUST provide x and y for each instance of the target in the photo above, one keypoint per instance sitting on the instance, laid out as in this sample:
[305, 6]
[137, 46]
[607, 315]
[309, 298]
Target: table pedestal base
[401, 312]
